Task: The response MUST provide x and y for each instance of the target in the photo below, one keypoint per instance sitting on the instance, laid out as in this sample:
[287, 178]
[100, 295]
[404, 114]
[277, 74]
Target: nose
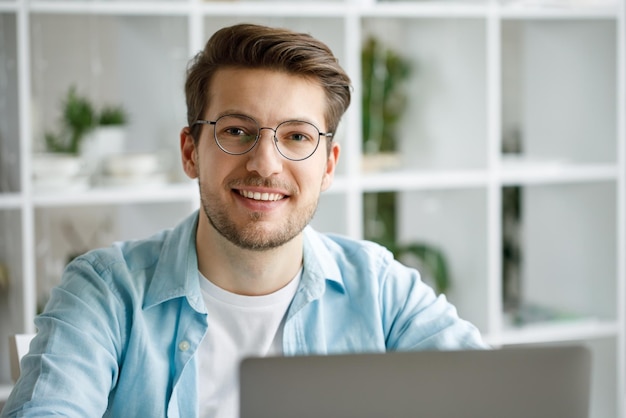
[264, 158]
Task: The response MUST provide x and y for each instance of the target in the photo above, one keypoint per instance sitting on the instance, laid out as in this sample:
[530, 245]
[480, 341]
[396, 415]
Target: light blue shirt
[118, 336]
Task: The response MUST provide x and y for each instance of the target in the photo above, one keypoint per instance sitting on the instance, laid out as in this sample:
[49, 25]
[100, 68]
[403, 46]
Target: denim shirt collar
[176, 273]
[320, 268]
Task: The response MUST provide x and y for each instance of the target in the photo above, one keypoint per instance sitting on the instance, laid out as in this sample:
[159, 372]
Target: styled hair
[261, 47]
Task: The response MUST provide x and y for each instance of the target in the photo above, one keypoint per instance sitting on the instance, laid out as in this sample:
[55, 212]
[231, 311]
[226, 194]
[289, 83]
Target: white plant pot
[101, 143]
[57, 172]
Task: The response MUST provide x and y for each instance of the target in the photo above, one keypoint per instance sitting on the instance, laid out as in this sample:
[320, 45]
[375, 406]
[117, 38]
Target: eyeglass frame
[258, 135]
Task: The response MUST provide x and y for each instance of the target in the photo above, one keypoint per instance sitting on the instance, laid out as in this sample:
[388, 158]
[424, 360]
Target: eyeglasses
[295, 140]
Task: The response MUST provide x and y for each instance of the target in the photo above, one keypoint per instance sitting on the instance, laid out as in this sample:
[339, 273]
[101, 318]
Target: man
[157, 327]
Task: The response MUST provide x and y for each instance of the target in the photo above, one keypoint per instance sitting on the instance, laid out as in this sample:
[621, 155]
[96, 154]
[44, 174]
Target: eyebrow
[238, 112]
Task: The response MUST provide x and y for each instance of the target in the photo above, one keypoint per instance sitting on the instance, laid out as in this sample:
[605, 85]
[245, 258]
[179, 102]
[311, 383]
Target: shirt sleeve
[415, 318]
[72, 364]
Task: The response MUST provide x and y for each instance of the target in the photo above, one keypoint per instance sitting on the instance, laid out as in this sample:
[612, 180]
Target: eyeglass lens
[237, 134]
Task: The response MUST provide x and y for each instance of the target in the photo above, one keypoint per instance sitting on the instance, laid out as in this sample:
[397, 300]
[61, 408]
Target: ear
[331, 165]
[188, 153]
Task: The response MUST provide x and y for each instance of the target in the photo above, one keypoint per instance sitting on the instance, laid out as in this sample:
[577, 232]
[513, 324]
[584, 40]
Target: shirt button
[183, 346]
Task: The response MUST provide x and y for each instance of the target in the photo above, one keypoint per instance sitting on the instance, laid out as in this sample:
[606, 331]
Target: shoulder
[133, 263]
[131, 255]
[349, 260]
[342, 243]
[163, 246]
[342, 247]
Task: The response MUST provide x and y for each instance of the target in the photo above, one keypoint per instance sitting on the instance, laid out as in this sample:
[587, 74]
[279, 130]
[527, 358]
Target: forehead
[267, 95]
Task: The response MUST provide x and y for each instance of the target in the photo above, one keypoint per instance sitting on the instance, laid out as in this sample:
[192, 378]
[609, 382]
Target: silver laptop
[528, 382]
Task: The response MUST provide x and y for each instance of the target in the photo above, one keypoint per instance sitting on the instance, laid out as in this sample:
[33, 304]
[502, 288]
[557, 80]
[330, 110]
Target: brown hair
[254, 46]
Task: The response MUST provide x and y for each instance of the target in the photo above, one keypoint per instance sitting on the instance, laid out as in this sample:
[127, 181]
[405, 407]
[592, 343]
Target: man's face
[260, 200]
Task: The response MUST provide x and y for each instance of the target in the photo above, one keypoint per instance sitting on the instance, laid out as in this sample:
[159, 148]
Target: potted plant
[84, 138]
[77, 120]
[59, 167]
[383, 101]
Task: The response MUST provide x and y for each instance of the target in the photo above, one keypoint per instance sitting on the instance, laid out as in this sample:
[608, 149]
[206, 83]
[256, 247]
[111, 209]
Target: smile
[271, 197]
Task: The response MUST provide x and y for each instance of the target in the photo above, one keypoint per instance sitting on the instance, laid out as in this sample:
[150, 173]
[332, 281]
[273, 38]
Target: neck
[243, 271]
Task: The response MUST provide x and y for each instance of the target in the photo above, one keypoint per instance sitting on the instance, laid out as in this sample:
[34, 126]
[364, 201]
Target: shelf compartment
[559, 87]
[454, 222]
[444, 122]
[9, 113]
[11, 292]
[567, 265]
[135, 61]
[62, 233]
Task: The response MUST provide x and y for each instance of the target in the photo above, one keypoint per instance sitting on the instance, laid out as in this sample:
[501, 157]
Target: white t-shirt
[239, 326]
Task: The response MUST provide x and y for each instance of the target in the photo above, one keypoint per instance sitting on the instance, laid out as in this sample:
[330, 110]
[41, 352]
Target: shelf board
[10, 200]
[423, 180]
[559, 10]
[340, 185]
[405, 9]
[426, 9]
[278, 8]
[184, 7]
[8, 7]
[557, 331]
[102, 7]
[528, 172]
[123, 195]
[5, 391]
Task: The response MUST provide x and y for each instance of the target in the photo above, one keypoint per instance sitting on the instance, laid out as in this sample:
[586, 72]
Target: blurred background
[485, 146]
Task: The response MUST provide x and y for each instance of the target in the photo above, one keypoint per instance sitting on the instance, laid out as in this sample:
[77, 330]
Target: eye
[235, 128]
[298, 137]
[297, 132]
[234, 131]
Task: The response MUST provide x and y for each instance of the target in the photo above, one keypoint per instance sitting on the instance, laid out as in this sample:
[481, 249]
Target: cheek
[216, 169]
[311, 178]
[206, 165]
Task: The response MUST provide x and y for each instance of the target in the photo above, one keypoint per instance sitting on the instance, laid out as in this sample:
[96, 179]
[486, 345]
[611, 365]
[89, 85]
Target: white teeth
[261, 196]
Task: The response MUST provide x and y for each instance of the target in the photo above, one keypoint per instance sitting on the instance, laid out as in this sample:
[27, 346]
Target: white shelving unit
[551, 72]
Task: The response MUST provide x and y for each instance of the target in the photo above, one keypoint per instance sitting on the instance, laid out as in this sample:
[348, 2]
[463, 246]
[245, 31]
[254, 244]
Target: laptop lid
[538, 382]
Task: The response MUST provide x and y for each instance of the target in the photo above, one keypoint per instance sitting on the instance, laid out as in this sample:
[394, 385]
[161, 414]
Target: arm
[73, 360]
[416, 319]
